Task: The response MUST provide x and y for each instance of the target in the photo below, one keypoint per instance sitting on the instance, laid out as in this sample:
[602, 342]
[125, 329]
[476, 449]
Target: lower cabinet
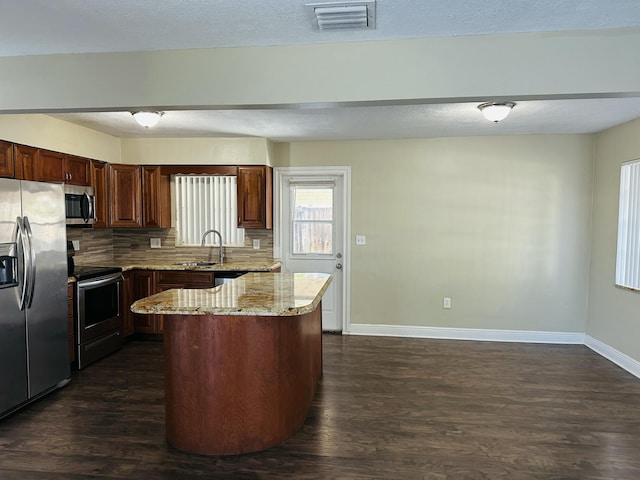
[143, 285]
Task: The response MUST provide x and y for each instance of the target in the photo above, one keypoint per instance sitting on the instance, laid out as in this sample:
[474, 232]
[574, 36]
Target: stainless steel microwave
[79, 205]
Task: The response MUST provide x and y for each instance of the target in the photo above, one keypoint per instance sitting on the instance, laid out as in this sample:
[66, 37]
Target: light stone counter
[260, 294]
[231, 266]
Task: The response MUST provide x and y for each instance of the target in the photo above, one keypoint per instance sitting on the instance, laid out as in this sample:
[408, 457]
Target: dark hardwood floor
[386, 408]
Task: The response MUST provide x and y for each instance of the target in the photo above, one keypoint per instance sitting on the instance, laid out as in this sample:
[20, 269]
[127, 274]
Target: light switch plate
[155, 242]
[256, 244]
[76, 244]
[361, 240]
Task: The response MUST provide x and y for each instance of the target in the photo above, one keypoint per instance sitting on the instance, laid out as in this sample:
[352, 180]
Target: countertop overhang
[231, 266]
[260, 294]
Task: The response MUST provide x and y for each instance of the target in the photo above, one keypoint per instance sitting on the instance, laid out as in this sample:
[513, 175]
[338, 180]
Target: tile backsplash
[133, 245]
[96, 244]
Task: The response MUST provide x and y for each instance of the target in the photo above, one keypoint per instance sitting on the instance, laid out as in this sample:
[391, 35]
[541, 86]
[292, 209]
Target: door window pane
[312, 226]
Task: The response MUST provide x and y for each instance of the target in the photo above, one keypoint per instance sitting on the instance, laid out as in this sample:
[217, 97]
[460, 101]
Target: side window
[628, 254]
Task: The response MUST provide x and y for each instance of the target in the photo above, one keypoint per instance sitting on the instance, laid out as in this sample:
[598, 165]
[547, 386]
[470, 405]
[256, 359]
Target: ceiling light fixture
[147, 119]
[495, 112]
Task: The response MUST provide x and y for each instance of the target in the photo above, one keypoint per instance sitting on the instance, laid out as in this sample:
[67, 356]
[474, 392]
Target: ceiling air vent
[343, 15]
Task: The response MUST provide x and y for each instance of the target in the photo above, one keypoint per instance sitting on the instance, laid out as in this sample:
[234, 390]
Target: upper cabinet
[255, 197]
[125, 195]
[58, 167]
[25, 159]
[77, 170]
[7, 163]
[156, 198]
[139, 196]
[101, 193]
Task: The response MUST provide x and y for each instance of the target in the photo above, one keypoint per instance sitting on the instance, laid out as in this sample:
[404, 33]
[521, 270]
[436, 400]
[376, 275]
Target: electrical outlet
[155, 242]
[76, 244]
[256, 244]
[446, 302]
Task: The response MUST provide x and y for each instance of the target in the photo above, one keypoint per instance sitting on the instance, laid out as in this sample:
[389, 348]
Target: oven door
[98, 307]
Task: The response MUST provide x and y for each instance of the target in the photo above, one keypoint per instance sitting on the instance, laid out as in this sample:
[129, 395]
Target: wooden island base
[239, 384]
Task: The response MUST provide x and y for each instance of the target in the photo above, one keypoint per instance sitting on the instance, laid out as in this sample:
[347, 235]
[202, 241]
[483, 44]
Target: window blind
[205, 202]
[628, 254]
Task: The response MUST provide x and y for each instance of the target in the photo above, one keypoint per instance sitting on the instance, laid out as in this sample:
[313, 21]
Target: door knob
[339, 266]
[338, 255]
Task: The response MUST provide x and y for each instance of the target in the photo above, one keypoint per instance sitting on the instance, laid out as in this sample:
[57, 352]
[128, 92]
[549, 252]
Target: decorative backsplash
[133, 245]
[96, 244]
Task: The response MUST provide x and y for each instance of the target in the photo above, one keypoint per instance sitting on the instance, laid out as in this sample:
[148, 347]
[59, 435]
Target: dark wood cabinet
[139, 196]
[77, 170]
[101, 193]
[125, 195]
[126, 295]
[143, 285]
[156, 198]
[7, 162]
[25, 159]
[255, 197]
[184, 279]
[58, 167]
[49, 166]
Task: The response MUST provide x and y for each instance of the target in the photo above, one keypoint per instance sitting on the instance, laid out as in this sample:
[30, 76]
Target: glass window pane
[316, 237]
[312, 226]
[313, 203]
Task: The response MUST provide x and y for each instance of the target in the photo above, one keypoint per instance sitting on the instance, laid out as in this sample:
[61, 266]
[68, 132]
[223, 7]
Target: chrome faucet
[204, 236]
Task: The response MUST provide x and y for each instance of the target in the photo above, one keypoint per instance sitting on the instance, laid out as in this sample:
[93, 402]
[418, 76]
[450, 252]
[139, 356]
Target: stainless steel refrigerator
[34, 342]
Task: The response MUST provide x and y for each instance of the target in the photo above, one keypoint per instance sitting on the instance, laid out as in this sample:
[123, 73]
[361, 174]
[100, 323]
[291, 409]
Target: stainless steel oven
[97, 313]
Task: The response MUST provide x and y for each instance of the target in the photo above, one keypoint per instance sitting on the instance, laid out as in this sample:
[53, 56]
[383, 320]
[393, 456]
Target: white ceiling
[30, 27]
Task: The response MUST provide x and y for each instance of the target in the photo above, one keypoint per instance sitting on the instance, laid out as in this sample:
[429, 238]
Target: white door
[312, 232]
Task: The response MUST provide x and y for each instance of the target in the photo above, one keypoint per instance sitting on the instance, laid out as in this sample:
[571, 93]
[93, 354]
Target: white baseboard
[467, 334]
[623, 361]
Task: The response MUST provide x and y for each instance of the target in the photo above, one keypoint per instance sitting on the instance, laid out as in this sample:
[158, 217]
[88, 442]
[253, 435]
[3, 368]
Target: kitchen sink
[195, 264]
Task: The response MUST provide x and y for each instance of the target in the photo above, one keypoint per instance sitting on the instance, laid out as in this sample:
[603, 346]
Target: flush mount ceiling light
[495, 112]
[147, 119]
[343, 15]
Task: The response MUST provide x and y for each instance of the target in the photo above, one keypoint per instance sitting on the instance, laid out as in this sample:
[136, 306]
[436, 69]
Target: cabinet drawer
[186, 278]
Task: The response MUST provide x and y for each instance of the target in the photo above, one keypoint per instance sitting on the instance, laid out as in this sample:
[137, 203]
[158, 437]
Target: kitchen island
[242, 360]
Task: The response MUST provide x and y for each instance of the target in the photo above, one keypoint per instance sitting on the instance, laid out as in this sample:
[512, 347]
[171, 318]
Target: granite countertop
[236, 266]
[263, 294]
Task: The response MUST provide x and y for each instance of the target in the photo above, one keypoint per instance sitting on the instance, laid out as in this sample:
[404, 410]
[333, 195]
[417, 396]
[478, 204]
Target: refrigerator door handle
[19, 239]
[32, 263]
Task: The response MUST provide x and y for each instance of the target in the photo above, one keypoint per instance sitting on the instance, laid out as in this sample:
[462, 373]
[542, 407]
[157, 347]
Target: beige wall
[196, 151]
[499, 224]
[614, 317]
[47, 132]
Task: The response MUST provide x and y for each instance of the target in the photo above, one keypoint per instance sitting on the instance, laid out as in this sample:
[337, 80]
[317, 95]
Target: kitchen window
[628, 254]
[205, 202]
